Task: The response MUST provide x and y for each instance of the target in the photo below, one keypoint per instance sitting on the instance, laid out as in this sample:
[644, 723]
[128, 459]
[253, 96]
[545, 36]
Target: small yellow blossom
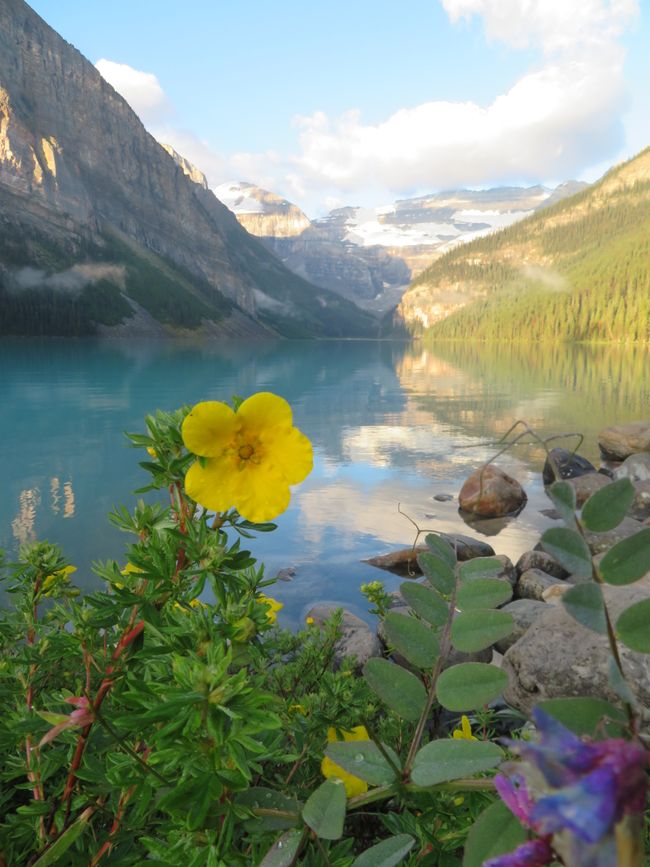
[309, 621]
[130, 569]
[297, 708]
[194, 603]
[60, 576]
[465, 731]
[248, 458]
[152, 452]
[273, 606]
[460, 799]
[353, 785]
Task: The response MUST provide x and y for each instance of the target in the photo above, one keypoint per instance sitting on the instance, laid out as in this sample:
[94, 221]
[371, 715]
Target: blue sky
[337, 103]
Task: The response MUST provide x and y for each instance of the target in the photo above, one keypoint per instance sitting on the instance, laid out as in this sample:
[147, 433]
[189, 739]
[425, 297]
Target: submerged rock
[569, 465]
[622, 440]
[491, 493]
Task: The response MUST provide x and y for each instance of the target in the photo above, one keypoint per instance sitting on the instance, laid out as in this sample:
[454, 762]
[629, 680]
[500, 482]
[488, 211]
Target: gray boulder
[533, 583]
[586, 485]
[636, 468]
[540, 560]
[640, 508]
[357, 639]
[600, 542]
[558, 657]
[524, 612]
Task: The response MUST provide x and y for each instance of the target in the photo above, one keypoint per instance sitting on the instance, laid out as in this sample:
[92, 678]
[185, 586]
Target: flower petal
[209, 428]
[290, 452]
[262, 493]
[263, 410]
[353, 785]
[534, 853]
[587, 808]
[213, 483]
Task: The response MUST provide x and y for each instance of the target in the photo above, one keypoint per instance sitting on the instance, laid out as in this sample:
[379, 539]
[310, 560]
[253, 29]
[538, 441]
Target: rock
[558, 657]
[491, 493]
[286, 574]
[532, 584]
[586, 485]
[569, 465]
[508, 573]
[553, 595]
[553, 514]
[404, 561]
[608, 468]
[525, 612]
[540, 560]
[357, 638]
[636, 468]
[443, 498]
[640, 508]
[600, 542]
[622, 440]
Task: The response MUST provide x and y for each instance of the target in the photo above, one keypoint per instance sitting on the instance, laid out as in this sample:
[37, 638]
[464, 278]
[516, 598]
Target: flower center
[246, 452]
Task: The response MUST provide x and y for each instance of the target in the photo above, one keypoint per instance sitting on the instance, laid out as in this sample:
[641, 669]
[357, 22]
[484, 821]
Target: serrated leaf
[628, 560]
[584, 602]
[324, 810]
[563, 496]
[479, 628]
[444, 760]
[364, 759]
[606, 508]
[441, 548]
[584, 716]
[495, 832]
[483, 593]
[569, 549]
[412, 638]
[633, 626]
[470, 685]
[388, 853]
[398, 688]
[283, 852]
[426, 602]
[439, 573]
[480, 567]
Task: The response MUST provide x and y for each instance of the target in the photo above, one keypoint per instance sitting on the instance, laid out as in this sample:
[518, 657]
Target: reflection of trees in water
[30, 500]
[555, 387]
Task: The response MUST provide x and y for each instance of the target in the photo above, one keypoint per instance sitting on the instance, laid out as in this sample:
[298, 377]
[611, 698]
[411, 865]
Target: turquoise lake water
[390, 423]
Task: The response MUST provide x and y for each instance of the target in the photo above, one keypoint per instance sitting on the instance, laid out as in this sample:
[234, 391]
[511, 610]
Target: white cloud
[141, 90]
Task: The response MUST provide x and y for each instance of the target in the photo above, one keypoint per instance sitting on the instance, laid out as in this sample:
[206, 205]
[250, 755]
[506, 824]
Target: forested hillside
[579, 270]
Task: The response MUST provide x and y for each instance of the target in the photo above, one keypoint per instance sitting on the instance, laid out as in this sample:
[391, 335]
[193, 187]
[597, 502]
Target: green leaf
[388, 853]
[398, 688]
[61, 846]
[274, 811]
[563, 496]
[569, 549]
[425, 602]
[444, 760]
[483, 593]
[480, 567]
[632, 626]
[283, 852]
[628, 560]
[584, 602]
[470, 685]
[618, 683]
[606, 508]
[479, 628]
[412, 638]
[495, 832]
[438, 572]
[363, 759]
[324, 810]
[584, 716]
[441, 548]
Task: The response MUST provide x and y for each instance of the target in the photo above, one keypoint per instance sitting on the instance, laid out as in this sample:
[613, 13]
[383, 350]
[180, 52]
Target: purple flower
[534, 853]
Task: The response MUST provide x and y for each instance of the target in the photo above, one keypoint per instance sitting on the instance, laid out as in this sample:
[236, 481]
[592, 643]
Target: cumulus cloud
[141, 90]
[554, 121]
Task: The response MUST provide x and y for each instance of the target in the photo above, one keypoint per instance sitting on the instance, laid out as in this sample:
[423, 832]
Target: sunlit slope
[579, 270]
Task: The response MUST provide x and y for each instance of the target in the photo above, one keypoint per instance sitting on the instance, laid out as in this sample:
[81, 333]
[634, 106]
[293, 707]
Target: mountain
[371, 254]
[101, 230]
[577, 270]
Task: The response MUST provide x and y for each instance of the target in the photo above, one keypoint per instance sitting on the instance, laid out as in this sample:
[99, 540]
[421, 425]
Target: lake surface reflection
[391, 423]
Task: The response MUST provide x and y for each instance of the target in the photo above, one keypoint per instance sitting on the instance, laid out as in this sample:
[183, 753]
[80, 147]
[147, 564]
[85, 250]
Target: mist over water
[390, 423]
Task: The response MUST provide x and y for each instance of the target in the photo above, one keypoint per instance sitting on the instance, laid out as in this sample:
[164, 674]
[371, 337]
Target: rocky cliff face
[77, 167]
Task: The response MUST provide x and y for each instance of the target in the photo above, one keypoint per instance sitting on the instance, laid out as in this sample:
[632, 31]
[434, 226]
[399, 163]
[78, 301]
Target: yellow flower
[60, 576]
[297, 708]
[248, 458]
[309, 621]
[130, 569]
[194, 603]
[353, 785]
[152, 452]
[465, 731]
[273, 606]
